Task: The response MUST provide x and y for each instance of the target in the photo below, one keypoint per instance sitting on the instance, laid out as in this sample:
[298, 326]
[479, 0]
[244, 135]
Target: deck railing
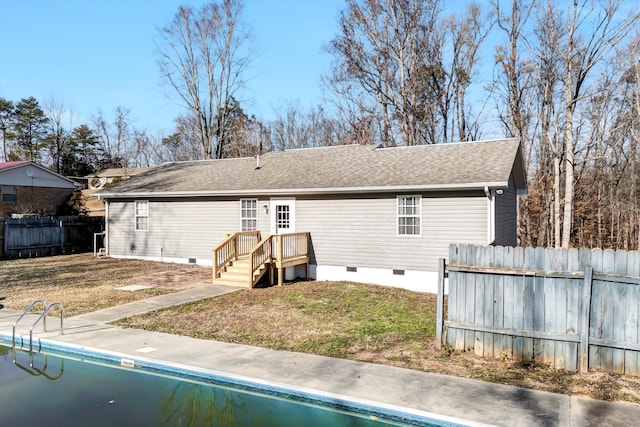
[274, 251]
[235, 245]
[261, 254]
[291, 245]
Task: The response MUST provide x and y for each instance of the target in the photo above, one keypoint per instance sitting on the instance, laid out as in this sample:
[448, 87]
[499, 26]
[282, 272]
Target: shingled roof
[338, 169]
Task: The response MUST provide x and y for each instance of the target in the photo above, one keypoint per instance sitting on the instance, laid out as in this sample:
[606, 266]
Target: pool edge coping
[296, 393]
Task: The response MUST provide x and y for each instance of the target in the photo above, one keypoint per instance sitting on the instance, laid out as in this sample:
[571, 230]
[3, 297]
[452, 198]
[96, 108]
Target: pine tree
[30, 129]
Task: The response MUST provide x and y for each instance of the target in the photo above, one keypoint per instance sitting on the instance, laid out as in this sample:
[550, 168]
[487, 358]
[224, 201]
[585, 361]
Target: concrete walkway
[154, 303]
[465, 399]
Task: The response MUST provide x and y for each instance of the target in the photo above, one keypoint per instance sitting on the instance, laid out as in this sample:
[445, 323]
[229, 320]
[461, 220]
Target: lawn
[339, 319]
[83, 283]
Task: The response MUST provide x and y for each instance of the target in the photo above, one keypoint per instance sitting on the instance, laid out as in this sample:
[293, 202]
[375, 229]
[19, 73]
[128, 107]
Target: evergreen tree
[30, 129]
[83, 156]
[7, 117]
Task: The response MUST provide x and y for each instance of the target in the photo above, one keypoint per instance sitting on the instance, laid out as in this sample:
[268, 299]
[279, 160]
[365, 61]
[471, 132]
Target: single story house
[26, 187]
[108, 176]
[374, 215]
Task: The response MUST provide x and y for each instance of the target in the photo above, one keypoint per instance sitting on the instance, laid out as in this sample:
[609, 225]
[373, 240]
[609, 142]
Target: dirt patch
[183, 277]
[84, 283]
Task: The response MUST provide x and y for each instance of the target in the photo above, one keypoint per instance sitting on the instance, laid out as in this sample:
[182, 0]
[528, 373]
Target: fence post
[585, 316]
[440, 307]
[61, 234]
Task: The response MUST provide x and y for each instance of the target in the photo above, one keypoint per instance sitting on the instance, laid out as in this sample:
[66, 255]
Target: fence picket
[618, 320]
[608, 314]
[455, 302]
[517, 283]
[501, 303]
[595, 323]
[572, 316]
[528, 303]
[632, 327]
[488, 254]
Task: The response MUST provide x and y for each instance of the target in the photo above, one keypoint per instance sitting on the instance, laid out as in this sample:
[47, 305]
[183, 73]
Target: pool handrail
[44, 316]
[13, 339]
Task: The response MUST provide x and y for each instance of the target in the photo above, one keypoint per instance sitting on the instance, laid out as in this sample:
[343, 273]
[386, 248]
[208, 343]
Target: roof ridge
[445, 144]
[326, 147]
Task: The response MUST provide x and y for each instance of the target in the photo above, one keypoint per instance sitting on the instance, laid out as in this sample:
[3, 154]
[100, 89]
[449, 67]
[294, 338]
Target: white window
[142, 215]
[248, 214]
[9, 193]
[409, 215]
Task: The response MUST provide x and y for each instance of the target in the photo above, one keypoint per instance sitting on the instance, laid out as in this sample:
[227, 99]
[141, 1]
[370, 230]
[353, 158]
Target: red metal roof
[8, 165]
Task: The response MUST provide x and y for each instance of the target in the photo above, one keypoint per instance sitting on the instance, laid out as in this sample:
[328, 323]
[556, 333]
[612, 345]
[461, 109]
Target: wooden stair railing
[234, 246]
[259, 257]
[274, 251]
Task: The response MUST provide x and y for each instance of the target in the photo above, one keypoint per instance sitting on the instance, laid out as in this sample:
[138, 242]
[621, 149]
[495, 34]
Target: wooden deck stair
[237, 273]
[244, 257]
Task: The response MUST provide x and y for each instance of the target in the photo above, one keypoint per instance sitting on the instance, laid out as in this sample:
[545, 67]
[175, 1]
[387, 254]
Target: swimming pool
[61, 386]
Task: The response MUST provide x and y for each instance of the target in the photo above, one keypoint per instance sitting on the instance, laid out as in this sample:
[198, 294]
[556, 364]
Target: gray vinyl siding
[177, 228]
[507, 216]
[362, 231]
[358, 231]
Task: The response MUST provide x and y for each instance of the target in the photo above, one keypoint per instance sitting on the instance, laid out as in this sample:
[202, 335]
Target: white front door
[283, 216]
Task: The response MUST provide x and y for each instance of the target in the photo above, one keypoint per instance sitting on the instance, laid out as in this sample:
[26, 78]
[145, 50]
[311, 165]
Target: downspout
[491, 216]
[106, 225]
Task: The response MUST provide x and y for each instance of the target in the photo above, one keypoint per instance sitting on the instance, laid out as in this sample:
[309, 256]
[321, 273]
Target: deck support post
[279, 258]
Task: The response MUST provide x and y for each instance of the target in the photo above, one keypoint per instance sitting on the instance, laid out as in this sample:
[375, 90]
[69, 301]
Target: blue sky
[99, 54]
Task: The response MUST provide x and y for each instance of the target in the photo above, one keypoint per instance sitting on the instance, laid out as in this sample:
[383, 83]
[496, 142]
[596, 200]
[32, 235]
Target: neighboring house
[376, 215]
[105, 177]
[26, 187]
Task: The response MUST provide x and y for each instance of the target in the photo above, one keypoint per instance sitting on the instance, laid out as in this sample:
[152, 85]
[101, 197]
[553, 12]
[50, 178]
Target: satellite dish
[29, 172]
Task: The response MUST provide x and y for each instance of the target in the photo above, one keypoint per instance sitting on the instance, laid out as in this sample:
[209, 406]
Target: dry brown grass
[339, 319]
[353, 321]
[83, 283]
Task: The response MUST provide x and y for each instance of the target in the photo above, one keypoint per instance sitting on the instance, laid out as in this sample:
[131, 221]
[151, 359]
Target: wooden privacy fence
[79, 231]
[572, 309]
[41, 236]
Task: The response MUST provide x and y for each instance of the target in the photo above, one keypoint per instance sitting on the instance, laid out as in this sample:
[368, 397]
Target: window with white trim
[248, 214]
[409, 215]
[142, 215]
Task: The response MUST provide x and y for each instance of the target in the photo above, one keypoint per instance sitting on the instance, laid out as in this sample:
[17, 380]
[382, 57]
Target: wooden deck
[243, 258]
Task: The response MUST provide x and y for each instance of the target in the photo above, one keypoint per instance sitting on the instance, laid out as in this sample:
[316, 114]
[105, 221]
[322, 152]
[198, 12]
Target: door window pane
[282, 217]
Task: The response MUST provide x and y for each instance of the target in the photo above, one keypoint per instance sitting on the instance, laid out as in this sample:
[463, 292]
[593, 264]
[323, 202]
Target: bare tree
[466, 34]
[297, 128]
[202, 59]
[513, 89]
[60, 126]
[582, 53]
[115, 137]
[384, 46]
[413, 67]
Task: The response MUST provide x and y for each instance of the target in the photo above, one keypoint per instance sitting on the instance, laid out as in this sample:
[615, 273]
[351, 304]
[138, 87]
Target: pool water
[63, 391]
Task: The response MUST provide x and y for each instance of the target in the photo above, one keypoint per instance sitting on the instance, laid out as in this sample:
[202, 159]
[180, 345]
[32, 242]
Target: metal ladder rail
[44, 316]
[36, 372]
[13, 339]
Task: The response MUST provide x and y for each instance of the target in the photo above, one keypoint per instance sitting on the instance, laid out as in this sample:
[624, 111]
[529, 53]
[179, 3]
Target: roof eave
[309, 191]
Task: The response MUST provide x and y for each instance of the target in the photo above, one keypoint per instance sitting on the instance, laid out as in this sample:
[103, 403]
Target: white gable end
[30, 175]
